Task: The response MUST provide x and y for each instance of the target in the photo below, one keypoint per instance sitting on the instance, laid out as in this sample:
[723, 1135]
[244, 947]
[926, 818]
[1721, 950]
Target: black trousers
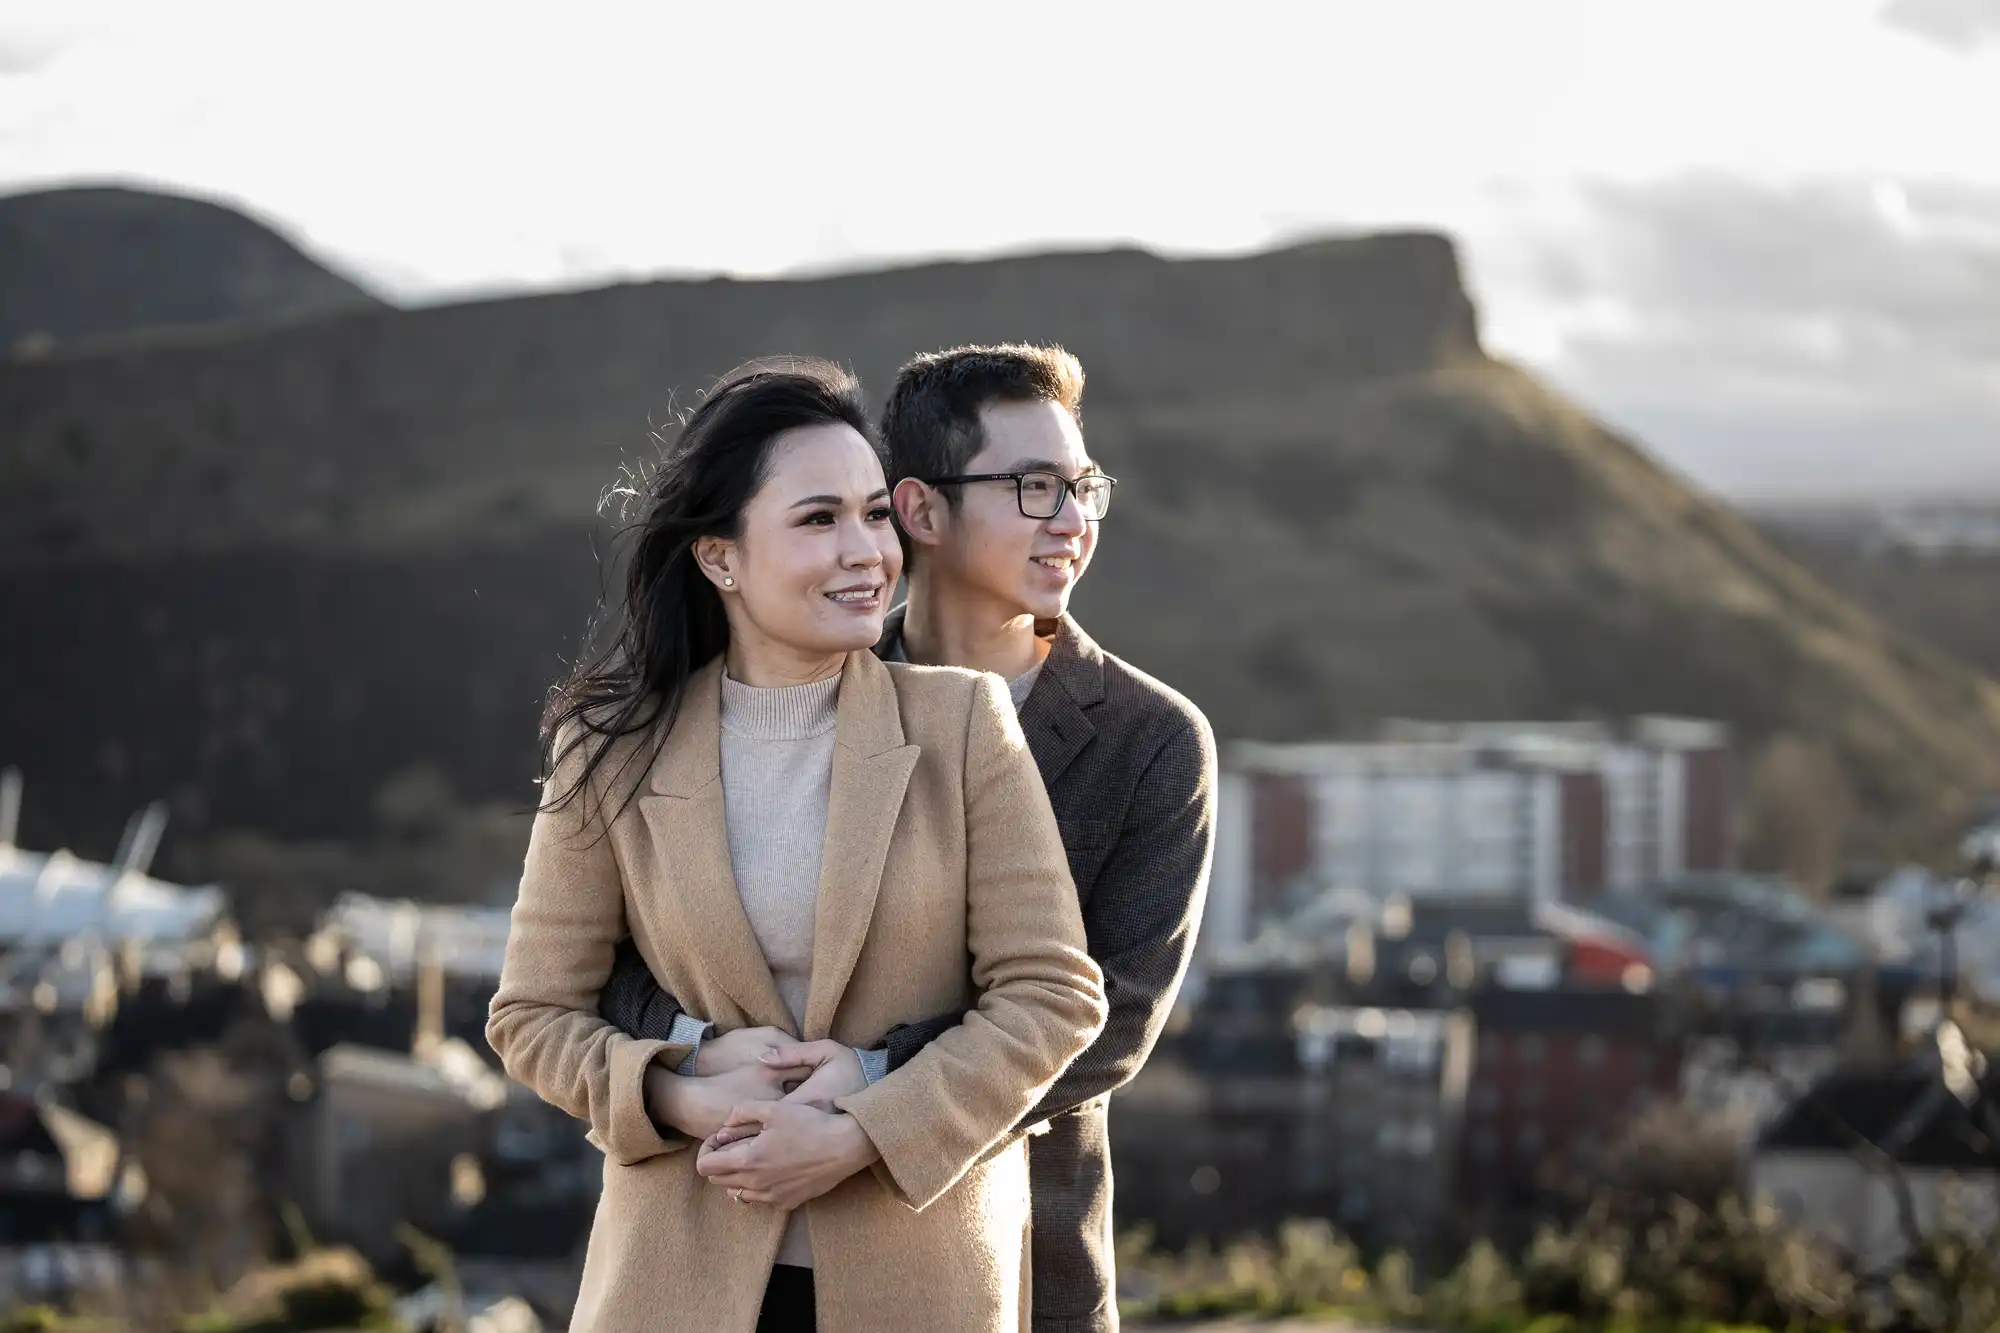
[788, 1301]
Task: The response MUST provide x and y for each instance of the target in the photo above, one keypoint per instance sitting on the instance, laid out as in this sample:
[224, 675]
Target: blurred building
[1390, 1085]
[1428, 951]
[386, 1139]
[1730, 933]
[1557, 1074]
[1898, 920]
[62, 1274]
[58, 1174]
[1421, 1083]
[1825, 1163]
[1744, 1082]
[383, 941]
[81, 942]
[407, 1122]
[1538, 812]
[373, 966]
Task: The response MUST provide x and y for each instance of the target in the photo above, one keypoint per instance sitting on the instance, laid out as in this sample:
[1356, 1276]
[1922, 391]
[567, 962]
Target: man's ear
[919, 511]
[716, 558]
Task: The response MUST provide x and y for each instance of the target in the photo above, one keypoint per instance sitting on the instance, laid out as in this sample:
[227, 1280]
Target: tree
[1798, 812]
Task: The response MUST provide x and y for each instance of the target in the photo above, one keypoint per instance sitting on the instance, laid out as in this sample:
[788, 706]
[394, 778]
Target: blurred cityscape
[1443, 975]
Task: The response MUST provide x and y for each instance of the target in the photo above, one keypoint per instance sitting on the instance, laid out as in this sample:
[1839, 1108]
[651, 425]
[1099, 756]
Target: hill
[306, 578]
[102, 262]
[1942, 595]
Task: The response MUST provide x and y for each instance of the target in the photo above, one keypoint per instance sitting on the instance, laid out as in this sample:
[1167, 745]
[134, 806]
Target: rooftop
[1908, 1112]
[60, 896]
[1643, 1017]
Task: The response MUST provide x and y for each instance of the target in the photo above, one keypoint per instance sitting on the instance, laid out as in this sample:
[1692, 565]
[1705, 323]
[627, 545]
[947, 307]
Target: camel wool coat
[943, 883]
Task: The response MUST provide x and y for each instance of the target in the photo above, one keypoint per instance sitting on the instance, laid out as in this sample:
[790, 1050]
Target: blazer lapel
[1053, 717]
[691, 840]
[871, 773]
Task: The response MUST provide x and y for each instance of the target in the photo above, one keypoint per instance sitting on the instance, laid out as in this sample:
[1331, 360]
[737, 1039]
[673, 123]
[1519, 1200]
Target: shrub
[1574, 1274]
[1481, 1289]
[328, 1289]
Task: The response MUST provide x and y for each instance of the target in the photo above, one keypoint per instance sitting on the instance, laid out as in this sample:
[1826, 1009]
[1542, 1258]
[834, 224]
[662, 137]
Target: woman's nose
[858, 549]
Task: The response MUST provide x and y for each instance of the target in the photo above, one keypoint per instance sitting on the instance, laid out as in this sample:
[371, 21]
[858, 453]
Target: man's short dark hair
[930, 426]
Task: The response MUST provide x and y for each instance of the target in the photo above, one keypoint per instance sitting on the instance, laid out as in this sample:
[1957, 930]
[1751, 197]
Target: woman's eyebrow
[832, 499]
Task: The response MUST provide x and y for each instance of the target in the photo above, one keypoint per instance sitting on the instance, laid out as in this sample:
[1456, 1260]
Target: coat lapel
[871, 773]
[684, 812]
[1053, 718]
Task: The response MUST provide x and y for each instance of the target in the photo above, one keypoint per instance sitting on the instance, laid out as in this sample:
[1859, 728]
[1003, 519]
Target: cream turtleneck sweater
[777, 770]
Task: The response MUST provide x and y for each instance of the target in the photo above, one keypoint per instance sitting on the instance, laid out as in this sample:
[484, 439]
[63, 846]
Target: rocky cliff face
[269, 573]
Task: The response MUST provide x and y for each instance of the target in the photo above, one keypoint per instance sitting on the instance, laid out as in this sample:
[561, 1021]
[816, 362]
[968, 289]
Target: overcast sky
[1763, 235]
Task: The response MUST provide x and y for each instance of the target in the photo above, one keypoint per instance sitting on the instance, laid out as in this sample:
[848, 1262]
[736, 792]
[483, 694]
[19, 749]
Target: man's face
[1027, 565]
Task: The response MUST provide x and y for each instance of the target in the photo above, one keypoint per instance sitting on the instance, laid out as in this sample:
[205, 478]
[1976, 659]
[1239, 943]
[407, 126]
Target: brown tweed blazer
[944, 884]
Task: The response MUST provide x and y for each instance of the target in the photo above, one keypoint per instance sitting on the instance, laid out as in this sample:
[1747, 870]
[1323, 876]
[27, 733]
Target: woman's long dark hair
[671, 623]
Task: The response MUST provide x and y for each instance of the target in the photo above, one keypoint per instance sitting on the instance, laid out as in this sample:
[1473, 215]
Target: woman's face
[817, 558]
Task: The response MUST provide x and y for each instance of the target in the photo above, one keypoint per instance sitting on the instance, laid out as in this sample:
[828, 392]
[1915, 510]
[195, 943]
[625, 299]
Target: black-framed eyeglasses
[1041, 494]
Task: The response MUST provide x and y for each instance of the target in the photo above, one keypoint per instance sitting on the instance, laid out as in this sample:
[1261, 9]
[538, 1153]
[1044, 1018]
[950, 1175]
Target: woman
[796, 836]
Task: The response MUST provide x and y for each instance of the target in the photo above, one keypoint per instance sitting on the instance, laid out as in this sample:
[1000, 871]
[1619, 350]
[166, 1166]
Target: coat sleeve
[544, 1021]
[633, 1000]
[1041, 998]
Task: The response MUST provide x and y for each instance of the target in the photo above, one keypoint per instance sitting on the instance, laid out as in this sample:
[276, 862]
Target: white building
[1809, 1173]
[1536, 812]
[383, 941]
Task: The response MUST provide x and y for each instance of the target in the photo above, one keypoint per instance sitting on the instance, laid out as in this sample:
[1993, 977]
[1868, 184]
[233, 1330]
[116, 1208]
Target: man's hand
[733, 1050]
[835, 1071]
[784, 1153]
[698, 1107]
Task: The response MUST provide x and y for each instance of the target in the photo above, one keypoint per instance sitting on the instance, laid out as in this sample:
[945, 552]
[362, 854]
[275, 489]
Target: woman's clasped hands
[763, 1106]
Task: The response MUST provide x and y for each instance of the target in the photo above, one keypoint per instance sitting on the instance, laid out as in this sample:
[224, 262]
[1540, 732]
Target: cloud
[1816, 336]
[31, 42]
[18, 56]
[1957, 25]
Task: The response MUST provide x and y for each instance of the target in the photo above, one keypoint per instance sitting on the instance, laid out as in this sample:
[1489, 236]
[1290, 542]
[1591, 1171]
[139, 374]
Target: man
[999, 503]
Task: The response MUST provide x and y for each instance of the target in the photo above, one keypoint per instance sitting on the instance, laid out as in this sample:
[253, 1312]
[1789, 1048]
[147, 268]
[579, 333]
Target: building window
[1591, 1051]
[1529, 1094]
[1532, 1048]
[1530, 1140]
[1413, 1054]
[1485, 1145]
[1422, 1138]
[1492, 1046]
[1485, 1099]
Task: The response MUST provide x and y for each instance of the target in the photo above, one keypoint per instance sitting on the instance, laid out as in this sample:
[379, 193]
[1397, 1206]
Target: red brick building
[1556, 1074]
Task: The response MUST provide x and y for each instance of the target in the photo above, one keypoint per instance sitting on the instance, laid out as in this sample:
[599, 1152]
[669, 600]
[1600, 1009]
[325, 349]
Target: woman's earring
[728, 582]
